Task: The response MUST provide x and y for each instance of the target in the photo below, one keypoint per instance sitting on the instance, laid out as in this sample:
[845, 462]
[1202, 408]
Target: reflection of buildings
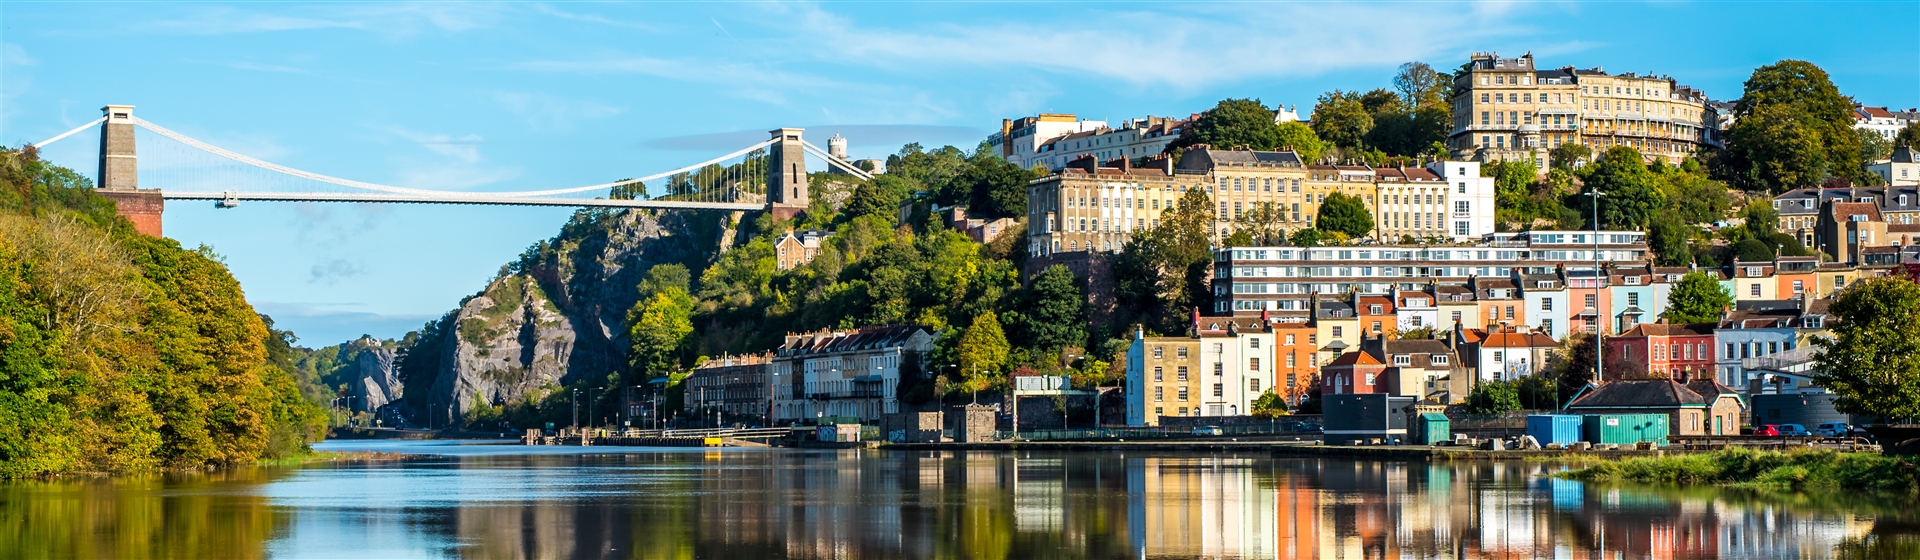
[1199, 507]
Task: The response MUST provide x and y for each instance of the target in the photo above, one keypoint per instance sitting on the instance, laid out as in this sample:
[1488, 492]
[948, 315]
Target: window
[1547, 325]
[1182, 352]
[1180, 373]
[1159, 394]
[1399, 360]
[1183, 398]
[1376, 327]
[1291, 361]
[1336, 331]
[1253, 364]
[1369, 379]
[1633, 298]
[1509, 312]
[1219, 390]
[1373, 309]
[1589, 299]
[1157, 373]
[1253, 385]
[1158, 352]
[1753, 290]
[1219, 369]
[1253, 343]
[1546, 304]
[1290, 340]
[1219, 347]
[1440, 360]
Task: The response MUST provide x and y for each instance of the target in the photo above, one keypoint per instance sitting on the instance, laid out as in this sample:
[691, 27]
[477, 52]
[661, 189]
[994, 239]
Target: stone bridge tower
[787, 177]
[120, 173]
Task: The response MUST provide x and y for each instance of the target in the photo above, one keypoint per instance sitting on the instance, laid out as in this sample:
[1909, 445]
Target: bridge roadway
[460, 198]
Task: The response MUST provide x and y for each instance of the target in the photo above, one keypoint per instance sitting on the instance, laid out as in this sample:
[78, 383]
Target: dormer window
[1633, 280]
[1439, 360]
[1402, 360]
[1373, 309]
[1753, 271]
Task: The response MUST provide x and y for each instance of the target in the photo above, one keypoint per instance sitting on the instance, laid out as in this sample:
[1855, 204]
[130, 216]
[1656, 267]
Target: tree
[1697, 298]
[1420, 85]
[870, 200]
[1230, 123]
[1630, 193]
[659, 333]
[1569, 155]
[1873, 147]
[1792, 128]
[1306, 237]
[1493, 397]
[1269, 405]
[983, 352]
[1052, 312]
[1300, 137]
[1752, 250]
[1537, 392]
[1908, 135]
[1696, 198]
[1160, 275]
[1872, 358]
[1344, 214]
[1668, 237]
[991, 186]
[1341, 119]
[1263, 225]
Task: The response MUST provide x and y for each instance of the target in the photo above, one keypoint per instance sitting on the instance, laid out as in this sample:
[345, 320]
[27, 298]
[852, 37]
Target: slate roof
[1655, 393]
[1668, 329]
[820, 342]
[1356, 359]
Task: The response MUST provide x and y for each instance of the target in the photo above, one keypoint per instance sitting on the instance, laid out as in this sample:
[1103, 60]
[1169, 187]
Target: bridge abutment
[787, 180]
[120, 173]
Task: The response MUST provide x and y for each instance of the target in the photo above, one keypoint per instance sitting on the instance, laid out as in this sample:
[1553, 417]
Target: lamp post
[1599, 334]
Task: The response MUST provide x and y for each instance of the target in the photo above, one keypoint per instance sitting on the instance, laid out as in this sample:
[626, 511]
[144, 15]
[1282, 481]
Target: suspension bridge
[769, 175]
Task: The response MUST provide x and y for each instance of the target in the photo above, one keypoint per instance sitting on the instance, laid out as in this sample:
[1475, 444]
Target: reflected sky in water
[509, 501]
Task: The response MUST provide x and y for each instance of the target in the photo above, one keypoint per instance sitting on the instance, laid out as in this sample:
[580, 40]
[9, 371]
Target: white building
[1879, 120]
[1470, 198]
[1900, 170]
[1019, 139]
[1135, 139]
[848, 374]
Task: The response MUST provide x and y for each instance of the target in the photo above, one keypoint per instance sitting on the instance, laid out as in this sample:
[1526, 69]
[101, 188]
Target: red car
[1769, 430]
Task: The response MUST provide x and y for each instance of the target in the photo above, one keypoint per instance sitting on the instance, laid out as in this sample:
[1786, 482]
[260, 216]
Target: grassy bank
[1771, 470]
[311, 457]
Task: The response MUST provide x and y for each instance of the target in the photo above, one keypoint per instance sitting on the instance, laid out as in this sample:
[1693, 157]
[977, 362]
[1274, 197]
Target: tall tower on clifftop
[787, 177]
[119, 178]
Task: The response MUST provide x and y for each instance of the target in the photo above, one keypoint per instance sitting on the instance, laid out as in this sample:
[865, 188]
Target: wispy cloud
[592, 18]
[334, 271]
[464, 148]
[385, 19]
[12, 55]
[860, 136]
[749, 81]
[551, 112]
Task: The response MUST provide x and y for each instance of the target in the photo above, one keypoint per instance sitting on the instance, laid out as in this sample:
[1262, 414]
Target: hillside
[121, 352]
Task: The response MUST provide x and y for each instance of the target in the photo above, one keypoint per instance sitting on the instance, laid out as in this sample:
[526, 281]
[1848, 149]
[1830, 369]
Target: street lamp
[1599, 334]
[576, 408]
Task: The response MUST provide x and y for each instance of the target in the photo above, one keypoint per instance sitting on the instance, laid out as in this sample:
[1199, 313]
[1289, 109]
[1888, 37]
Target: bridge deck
[457, 198]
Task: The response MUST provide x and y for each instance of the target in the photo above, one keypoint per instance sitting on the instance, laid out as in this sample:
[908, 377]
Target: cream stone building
[1506, 109]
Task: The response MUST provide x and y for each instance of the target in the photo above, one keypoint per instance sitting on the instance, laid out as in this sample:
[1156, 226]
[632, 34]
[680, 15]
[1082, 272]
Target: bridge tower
[120, 173]
[787, 180]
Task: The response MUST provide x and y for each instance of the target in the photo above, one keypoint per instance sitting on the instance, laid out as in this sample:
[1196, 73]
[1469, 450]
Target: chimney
[1126, 164]
[1196, 322]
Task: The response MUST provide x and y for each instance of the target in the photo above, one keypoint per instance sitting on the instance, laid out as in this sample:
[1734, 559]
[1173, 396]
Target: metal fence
[1275, 428]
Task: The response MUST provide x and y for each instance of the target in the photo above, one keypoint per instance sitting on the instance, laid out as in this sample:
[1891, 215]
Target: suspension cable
[43, 143]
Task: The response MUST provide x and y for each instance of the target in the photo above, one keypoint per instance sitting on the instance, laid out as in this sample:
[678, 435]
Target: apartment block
[1219, 369]
[1506, 109]
[849, 374]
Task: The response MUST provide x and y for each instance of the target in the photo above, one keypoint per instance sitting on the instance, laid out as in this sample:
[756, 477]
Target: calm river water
[507, 501]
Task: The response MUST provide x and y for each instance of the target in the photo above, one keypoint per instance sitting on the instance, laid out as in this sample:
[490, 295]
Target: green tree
[1269, 405]
[1230, 123]
[1052, 312]
[1873, 147]
[1629, 192]
[1341, 119]
[1753, 250]
[1160, 275]
[1792, 129]
[1306, 237]
[1264, 224]
[1669, 236]
[1344, 214]
[659, 331]
[869, 199]
[992, 186]
[1568, 155]
[1908, 136]
[1696, 298]
[1872, 358]
[1694, 197]
[983, 352]
[1493, 397]
[1420, 85]
[1301, 138]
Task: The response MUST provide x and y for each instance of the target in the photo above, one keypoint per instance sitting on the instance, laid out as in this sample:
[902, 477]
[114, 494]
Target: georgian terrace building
[1507, 109]
[1086, 208]
[1250, 279]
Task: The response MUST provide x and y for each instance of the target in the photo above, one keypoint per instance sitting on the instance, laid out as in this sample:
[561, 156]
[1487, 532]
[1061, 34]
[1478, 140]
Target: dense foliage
[1792, 129]
[1774, 470]
[1697, 298]
[121, 352]
[1872, 358]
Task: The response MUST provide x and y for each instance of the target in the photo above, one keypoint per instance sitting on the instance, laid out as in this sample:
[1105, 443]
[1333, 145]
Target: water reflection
[512, 502]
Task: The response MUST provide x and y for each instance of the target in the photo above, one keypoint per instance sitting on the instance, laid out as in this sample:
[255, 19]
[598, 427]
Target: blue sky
[527, 96]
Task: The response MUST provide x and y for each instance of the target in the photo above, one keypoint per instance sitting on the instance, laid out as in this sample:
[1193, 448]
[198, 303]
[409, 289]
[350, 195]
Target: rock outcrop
[560, 313]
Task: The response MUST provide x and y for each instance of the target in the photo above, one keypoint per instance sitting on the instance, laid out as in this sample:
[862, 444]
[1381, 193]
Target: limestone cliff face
[372, 377]
[560, 314]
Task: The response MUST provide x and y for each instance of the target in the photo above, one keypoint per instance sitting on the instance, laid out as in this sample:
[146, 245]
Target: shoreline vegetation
[1798, 470]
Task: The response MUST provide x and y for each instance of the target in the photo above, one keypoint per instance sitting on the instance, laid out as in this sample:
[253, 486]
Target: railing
[1275, 428]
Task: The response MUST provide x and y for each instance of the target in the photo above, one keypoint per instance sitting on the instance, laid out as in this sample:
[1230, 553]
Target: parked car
[1209, 431]
[1311, 428]
[1834, 429]
[1794, 430]
[1767, 430]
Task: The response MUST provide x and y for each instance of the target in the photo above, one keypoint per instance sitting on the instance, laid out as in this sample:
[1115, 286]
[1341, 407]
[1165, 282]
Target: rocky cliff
[559, 313]
[371, 377]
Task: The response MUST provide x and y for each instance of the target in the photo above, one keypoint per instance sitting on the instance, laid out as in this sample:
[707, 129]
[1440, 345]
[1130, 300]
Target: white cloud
[12, 55]
[463, 148]
[547, 111]
[391, 20]
[592, 18]
[1197, 47]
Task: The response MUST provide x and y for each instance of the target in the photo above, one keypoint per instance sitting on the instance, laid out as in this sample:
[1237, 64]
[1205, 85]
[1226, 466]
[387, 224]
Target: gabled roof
[1518, 340]
[1356, 359]
[1646, 393]
[1668, 329]
[1903, 154]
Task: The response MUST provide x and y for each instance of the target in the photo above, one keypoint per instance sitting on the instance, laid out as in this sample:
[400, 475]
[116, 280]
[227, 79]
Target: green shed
[1432, 428]
[1625, 429]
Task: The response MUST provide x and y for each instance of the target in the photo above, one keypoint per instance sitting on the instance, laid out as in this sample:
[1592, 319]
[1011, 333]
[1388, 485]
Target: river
[476, 500]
